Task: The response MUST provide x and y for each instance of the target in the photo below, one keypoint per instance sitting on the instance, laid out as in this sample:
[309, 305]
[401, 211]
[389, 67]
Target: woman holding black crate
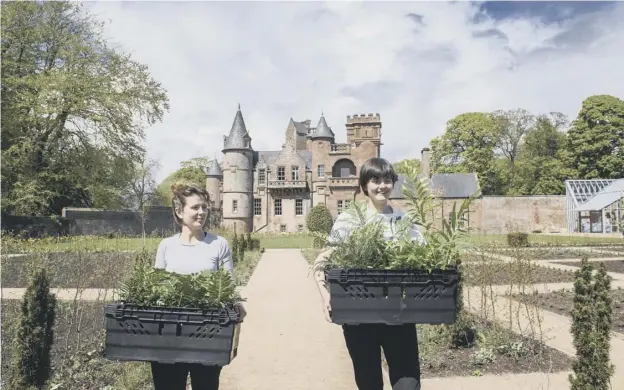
[364, 341]
[190, 251]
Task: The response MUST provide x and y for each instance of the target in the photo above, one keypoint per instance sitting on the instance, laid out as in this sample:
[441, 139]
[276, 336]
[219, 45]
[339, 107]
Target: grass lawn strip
[561, 302]
[496, 350]
[611, 265]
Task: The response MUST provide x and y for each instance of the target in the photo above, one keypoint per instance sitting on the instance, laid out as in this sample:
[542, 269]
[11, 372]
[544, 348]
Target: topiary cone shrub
[591, 329]
[31, 354]
[319, 220]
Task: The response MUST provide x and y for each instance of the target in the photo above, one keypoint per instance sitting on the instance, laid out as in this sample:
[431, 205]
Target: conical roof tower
[323, 132]
[239, 137]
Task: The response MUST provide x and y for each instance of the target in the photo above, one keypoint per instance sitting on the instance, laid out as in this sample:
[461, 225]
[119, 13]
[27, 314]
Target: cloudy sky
[417, 64]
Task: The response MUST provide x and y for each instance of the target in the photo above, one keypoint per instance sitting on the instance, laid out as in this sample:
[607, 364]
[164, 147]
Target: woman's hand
[241, 309]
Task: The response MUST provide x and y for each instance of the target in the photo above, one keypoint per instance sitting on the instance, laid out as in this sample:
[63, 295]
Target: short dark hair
[376, 167]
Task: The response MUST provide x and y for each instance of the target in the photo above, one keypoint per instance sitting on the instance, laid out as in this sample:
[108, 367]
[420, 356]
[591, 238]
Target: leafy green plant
[365, 246]
[149, 286]
[31, 366]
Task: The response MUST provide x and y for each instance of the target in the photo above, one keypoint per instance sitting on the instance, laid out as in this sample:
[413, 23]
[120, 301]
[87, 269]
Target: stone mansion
[273, 191]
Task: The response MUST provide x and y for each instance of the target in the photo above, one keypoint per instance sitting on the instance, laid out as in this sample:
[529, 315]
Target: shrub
[31, 366]
[319, 220]
[591, 329]
[517, 239]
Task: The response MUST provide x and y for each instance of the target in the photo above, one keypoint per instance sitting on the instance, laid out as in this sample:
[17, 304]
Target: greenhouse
[595, 206]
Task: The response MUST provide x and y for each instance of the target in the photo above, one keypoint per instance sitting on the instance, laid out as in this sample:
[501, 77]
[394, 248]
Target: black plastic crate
[364, 296]
[171, 335]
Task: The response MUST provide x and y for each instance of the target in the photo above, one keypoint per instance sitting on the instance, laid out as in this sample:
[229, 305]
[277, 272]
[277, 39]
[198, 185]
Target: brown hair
[181, 191]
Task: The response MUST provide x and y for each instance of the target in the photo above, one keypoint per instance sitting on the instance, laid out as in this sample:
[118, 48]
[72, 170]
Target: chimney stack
[425, 162]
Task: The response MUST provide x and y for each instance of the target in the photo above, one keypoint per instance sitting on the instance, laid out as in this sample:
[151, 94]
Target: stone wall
[34, 227]
[159, 221]
[504, 214]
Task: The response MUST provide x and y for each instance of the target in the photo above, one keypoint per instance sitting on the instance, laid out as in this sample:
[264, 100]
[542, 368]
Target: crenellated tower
[364, 127]
[237, 177]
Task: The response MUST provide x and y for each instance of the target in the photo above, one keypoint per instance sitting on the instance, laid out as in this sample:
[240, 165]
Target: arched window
[343, 168]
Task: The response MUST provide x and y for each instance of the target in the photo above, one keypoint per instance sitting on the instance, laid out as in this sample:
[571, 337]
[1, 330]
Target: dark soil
[610, 265]
[70, 269]
[561, 302]
[498, 351]
[517, 273]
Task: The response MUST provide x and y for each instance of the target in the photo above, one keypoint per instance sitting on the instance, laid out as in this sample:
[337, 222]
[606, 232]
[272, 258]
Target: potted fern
[173, 318]
[374, 280]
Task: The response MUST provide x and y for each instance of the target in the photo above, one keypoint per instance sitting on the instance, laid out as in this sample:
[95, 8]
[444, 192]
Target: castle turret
[214, 177]
[323, 132]
[237, 177]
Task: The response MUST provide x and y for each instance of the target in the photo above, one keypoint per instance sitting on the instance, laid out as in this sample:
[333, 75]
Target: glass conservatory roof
[607, 196]
[583, 190]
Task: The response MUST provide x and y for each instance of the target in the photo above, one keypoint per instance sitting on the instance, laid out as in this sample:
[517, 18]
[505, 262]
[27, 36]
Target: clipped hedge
[320, 219]
[517, 239]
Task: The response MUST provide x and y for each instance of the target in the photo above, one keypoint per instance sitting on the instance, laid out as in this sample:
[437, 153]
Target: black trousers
[400, 346]
[174, 376]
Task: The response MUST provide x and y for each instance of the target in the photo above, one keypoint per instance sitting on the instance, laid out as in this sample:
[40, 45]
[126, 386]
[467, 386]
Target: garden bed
[498, 351]
[618, 249]
[551, 253]
[77, 351]
[561, 302]
[70, 269]
[516, 273]
[91, 269]
[610, 265]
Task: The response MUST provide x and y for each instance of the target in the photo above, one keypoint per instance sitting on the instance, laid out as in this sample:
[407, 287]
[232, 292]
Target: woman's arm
[321, 284]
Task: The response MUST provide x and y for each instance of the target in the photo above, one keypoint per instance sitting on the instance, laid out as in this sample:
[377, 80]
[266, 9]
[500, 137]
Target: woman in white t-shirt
[364, 341]
[190, 251]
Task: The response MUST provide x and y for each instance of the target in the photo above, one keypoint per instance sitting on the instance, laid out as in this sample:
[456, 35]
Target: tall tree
[596, 139]
[74, 109]
[467, 145]
[511, 127]
[543, 160]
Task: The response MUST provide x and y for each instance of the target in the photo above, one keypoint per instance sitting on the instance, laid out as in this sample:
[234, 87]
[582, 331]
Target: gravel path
[285, 342]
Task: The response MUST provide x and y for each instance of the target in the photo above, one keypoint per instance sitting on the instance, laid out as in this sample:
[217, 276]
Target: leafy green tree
[74, 110]
[191, 171]
[596, 139]
[467, 145]
[543, 161]
[404, 166]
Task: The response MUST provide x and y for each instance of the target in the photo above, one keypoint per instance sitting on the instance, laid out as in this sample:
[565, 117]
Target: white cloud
[296, 59]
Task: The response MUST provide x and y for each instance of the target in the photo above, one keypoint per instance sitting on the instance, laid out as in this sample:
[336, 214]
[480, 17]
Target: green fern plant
[149, 286]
